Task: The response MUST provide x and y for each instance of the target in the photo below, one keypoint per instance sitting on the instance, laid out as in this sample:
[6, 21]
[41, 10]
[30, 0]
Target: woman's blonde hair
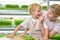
[33, 6]
[55, 9]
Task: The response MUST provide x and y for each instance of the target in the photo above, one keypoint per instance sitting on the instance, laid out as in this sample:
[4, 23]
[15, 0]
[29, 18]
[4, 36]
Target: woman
[51, 20]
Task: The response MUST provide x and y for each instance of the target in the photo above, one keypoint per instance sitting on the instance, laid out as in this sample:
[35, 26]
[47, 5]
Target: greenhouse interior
[14, 12]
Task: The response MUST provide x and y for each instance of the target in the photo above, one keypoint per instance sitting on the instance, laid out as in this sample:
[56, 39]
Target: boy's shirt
[52, 25]
[34, 27]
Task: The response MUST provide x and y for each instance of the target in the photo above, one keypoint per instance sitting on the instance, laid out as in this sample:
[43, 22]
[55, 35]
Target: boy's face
[37, 12]
[50, 15]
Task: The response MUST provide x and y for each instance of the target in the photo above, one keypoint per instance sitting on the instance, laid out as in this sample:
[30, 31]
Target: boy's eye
[38, 11]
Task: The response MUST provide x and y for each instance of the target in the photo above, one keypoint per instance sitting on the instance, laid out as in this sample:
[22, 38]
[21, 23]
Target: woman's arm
[52, 33]
[46, 34]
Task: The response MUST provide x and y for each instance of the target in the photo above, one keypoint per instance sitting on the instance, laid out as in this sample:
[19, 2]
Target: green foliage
[17, 7]
[5, 22]
[11, 6]
[26, 37]
[24, 7]
[57, 36]
[5, 26]
[44, 7]
[17, 22]
[2, 35]
[2, 8]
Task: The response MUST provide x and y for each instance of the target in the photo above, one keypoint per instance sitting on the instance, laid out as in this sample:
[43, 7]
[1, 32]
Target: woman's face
[50, 15]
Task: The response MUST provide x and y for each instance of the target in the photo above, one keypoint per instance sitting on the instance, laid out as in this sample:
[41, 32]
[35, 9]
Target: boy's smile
[37, 12]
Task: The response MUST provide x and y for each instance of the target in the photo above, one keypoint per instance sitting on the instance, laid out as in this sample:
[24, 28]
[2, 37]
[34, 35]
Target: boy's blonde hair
[55, 9]
[33, 6]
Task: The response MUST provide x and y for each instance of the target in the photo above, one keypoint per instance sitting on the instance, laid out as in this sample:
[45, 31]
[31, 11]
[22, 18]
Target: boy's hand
[41, 19]
[10, 36]
[21, 35]
[17, 38]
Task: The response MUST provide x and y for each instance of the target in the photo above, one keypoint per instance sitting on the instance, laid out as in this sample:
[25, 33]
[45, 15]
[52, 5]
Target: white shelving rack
[15, 14]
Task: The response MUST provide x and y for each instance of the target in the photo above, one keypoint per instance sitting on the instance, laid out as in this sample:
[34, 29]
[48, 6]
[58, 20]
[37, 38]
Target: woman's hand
[45, 38]
[46, 34]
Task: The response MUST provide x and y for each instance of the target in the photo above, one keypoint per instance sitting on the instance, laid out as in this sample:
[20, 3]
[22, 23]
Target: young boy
[52, 22]
[34, 24]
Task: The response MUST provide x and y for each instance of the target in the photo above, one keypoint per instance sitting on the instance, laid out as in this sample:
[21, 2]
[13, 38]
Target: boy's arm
[46, 34]
[24, 24]
[17, 28]
[15, 31]
[25, 31]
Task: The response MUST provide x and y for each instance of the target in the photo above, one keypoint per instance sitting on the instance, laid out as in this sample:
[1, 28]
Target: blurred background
[14, 12]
